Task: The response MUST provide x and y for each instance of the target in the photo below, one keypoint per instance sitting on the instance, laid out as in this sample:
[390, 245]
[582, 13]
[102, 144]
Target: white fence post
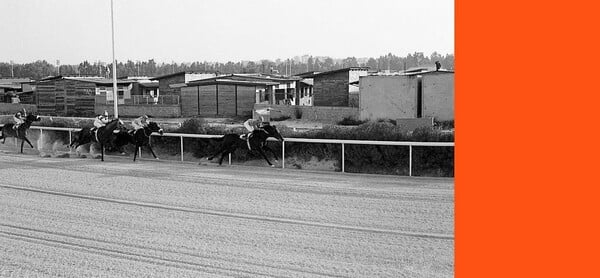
[70, 140]
[181, 147]
[410, 160]
[283, 155]
[41, 140]
[343, 158]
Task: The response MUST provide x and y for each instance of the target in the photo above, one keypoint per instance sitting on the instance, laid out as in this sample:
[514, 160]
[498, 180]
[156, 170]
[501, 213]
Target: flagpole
[114, 66]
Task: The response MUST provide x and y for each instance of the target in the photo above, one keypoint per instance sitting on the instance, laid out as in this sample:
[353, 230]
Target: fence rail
[138, 99]
[343, 143]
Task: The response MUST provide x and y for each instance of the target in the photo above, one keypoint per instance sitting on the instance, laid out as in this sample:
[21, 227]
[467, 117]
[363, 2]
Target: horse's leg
[25, 138]
[265, 147]
[264, 155]
[223, 156]
[151, 151]
[136, 152]
[22, 143]
[102, 151]
[221, 149]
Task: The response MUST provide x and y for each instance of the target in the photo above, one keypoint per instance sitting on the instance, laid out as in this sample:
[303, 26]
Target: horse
[104, 135]
[141, 137]
[85, 135]
[21, 132]
[256, 142]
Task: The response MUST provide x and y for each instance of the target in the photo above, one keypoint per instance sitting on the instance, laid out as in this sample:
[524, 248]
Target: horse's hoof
[272, 166]
[157, 158]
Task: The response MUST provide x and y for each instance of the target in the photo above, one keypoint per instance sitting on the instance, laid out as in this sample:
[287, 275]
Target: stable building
[336, 87]
[230, 95]
[76, 96]
[410, 95]
[169, 84]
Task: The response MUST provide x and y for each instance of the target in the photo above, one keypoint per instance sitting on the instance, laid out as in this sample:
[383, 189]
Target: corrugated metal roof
[180, 73]
[101, 81]
[148, 84]
[229, 81]
[10, 86]
[307, 74]
[428, 72]
[269, 78]
[14, 80]
[339, 70]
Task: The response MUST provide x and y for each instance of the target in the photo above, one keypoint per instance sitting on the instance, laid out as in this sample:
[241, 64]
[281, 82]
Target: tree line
[40, 69]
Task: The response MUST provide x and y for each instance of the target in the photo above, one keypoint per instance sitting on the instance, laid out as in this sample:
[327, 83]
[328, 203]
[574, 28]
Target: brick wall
[321, 114]
[331, 89]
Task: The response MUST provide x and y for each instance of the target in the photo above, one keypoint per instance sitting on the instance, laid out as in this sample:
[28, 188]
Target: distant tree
[41, 69]
[350, 62]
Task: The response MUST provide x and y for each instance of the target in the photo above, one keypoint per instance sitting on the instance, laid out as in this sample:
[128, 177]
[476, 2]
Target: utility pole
[114, 71]
[12, 70]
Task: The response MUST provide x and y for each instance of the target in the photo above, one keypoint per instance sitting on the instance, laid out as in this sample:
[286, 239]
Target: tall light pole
[114, 66]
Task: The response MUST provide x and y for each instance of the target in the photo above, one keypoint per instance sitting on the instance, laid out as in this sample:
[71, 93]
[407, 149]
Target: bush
[444, 124]
[380, 159]
[350, 121]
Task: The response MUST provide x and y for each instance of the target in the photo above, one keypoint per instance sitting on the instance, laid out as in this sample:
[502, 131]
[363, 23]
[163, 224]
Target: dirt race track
[73, 217]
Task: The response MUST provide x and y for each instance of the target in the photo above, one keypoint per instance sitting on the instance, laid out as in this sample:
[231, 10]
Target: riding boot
[248, 140]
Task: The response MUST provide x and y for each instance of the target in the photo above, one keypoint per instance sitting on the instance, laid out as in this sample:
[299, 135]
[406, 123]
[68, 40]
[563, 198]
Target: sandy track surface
[81, 217]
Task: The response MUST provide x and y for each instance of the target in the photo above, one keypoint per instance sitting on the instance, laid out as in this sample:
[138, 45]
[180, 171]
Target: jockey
[139, 123]
[101, 120]
[19, 118]
[264, 115]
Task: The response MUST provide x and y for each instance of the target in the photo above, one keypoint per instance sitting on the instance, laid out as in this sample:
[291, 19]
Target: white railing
[290, 139]
[139, 99]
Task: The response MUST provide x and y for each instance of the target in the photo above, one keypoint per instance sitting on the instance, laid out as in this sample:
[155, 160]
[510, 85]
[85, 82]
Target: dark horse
[140, 138]
[257, 142]
[104, 137]
[20, 133]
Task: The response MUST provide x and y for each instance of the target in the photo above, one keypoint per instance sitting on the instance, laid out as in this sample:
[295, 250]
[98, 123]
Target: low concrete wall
[12, 108]
[412, 124]
[154, 110]
[321, 114]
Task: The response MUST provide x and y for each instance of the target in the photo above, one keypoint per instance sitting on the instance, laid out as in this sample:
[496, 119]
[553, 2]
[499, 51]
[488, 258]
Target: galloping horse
[118, 140]
[141, 137]
[21, 132]
[104, 135]
[256, 142]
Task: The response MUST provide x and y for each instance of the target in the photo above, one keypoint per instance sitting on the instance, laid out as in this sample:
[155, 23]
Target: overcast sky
[222, 30]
